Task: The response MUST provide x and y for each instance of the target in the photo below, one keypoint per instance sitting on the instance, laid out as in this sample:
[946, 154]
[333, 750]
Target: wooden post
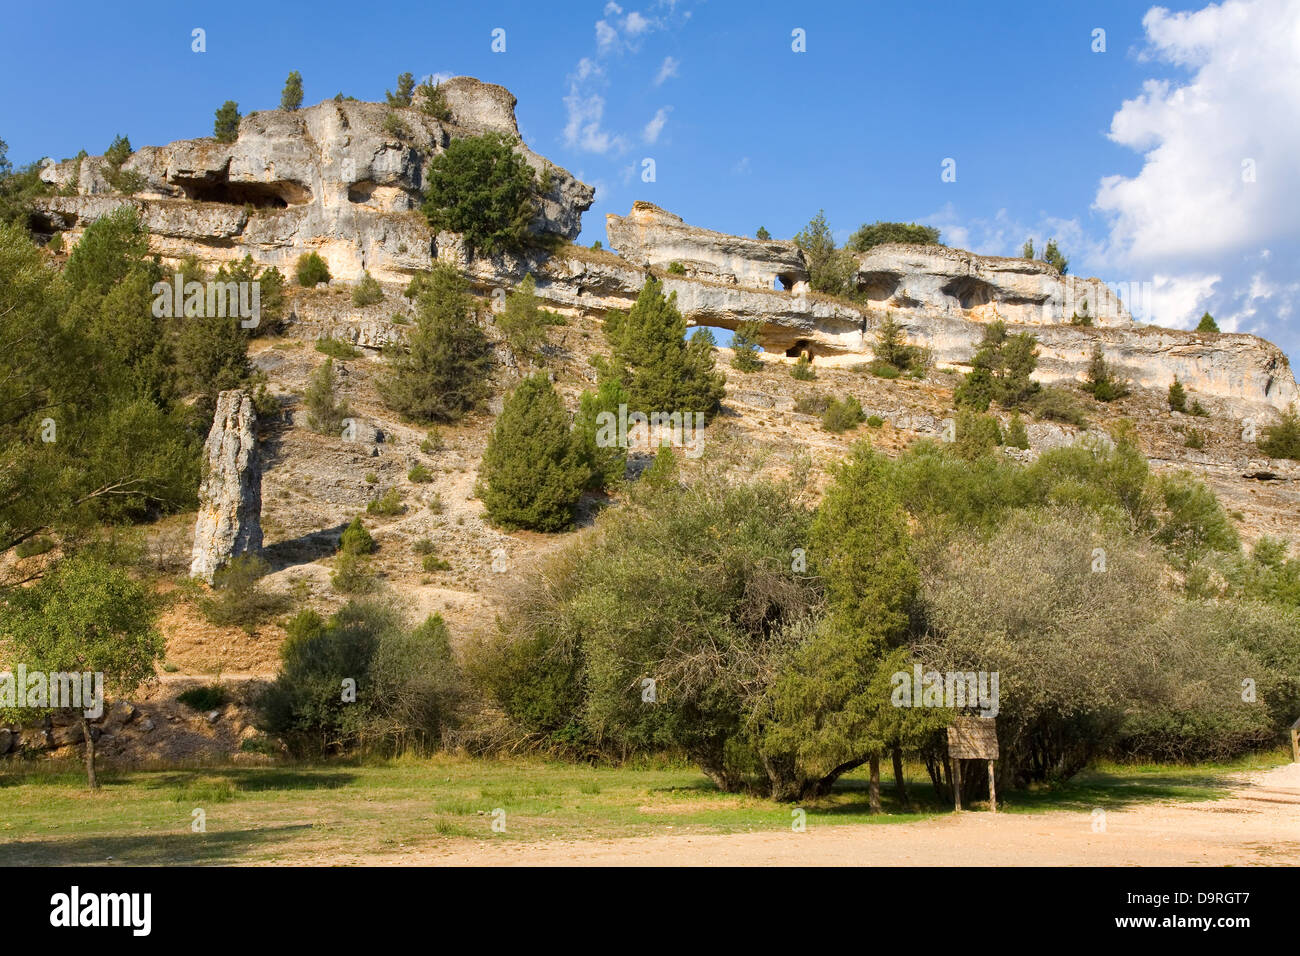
[956, 781]
[993, 790]
[1295, 744]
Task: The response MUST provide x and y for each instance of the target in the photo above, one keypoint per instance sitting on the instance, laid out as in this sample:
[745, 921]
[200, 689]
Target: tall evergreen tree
[291, 97]
[442, 373]
[533, 471]
[745, 347]
[405, 87]
[660, 369]
[226, 126]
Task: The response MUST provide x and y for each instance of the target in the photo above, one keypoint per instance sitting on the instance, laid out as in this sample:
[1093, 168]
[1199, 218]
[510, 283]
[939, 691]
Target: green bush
[423, 546]
[891, 349]
[977, 433]
[1000, 370]
[877, 233]
[875, 421]
[433, 101]
[204, 698]
[812, 404]
[1017, 435]
[830, 269]
[405, 88]
[1194, 439]
[356, 539]
[745, 347]
[606, 460]
[407, 684]
[1282, 440]
[367, 292]
[842, 415]
[802, 370]
[238, 598]
[291, 96]
[388, 504]
[1101, 382]
[883, 370]
[419, 473]
[311, 270]
[1054, 404]
[481, 188]
[352, 574]
[336, 349]
[1207, 324]
[523, 321]
[432, 562]
[533, 472]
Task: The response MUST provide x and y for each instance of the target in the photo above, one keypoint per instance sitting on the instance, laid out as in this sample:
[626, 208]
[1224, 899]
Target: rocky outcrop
[342, 178]
[230, 498]
[984, 288]
[650, 236]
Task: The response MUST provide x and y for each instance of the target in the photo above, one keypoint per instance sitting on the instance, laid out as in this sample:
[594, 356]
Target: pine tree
[226, 126]
[523, 321]
[661, 371]
[291, 97]
[1207, 324]
[533, 471]
[608, 461]
[1177, 396]
[405, 86]
[325, 413]
[762, 233]
[745, 347]
[1017, 435]
[442, 374]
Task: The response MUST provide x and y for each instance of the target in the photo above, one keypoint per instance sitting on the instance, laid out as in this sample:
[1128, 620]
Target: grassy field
[304, 813]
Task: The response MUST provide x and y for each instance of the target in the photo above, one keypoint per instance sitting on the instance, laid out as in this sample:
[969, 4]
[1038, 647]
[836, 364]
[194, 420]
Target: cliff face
[341, 179]
[337, 178]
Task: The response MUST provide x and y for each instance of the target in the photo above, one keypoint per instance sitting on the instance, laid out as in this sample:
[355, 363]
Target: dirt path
[1258, 823]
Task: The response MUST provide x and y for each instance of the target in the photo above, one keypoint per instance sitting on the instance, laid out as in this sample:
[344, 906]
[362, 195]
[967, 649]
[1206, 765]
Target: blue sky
[1132, 157]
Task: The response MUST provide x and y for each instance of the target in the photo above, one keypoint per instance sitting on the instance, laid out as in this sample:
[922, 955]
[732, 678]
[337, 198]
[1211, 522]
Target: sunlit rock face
[338, 178]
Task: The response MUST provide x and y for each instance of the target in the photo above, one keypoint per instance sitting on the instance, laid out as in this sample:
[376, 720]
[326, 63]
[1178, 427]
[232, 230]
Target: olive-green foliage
[1000, 370]
[802, 370]
[523, 321]
[405, 87]
[442, 372]
[325, 411]
[92, 427]
[433, 101]
[676, 269]
[877, 233]
[481, 188]
[977, 433]
[1054, 258]
[745, 347]
[353, 574]
[1101, 382]
[127, 182]
[18, 188]
[419, 473]
[336, 349]
[1054, 404]
[311, 270]
[226, 125]
[842, 414]
[1282, 440]
[395, 127]
[710, 565]
[598, 445]
[238, 598]
[1177, 396]
[661, 371]
[533, 470]
[891, 347]
[204, 697]
[1207, 324]
[389, 504]
[367, 291]
[762, 233]
[356, 539]
[1017, 435]
[406, 680]
[829, 269]
[86, 615]
[270, 283]
[291, 96]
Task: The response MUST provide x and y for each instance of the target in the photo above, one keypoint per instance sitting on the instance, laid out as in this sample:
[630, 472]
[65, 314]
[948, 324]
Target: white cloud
[667, 70]
[656, 125]
[585, 109]
[742, 167]
[635, 24]
[1242, 103]
[606, 37]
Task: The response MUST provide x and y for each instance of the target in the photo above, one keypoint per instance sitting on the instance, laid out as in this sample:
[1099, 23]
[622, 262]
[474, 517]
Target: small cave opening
[273, 195]
[969, 291]
[784, 281]
[878, 286]
[802, 347]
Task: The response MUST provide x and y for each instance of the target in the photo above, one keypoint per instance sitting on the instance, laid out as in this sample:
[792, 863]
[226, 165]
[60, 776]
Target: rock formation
[230, 498]
[340, 179]
[337, 178]
[650, 236]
